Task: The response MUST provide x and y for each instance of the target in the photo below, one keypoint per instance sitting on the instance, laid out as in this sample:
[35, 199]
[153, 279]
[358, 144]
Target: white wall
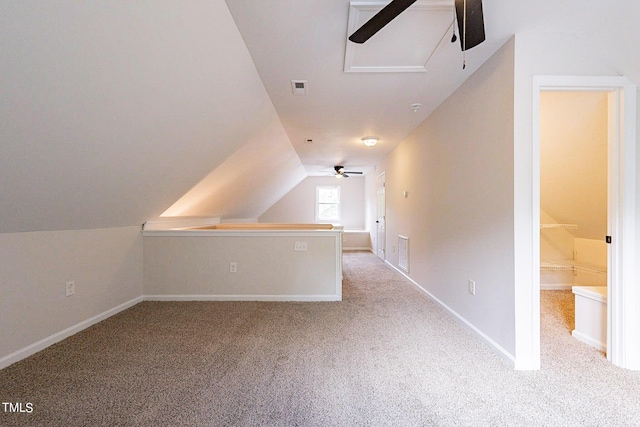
[181, 266]
[298, 206]
[106, 265]
[536, 54]
[458, 170]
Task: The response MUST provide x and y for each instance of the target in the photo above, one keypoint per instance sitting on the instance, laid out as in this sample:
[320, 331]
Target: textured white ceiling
[293, 39]
[307, 40]
[111, 112]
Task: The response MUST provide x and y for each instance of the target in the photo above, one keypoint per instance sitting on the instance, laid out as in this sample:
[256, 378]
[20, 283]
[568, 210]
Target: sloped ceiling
[307, 40]
[573, 160]
[248, 182]
[111, 111]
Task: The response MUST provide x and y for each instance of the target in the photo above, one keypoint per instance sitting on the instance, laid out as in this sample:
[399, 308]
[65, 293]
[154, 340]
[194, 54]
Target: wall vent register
[403, 253]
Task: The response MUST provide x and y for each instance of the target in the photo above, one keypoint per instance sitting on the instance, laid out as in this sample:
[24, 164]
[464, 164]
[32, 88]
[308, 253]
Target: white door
[380, 218]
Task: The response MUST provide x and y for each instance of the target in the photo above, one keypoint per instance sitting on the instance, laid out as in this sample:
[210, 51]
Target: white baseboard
[310, 298]
[352, 249]
[31, 349]
[588, 340]
[59, 336]
[501, 352]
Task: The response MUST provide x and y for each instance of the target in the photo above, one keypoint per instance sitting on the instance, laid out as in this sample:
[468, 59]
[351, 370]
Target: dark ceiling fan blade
[474, 34]
[341, 172]
[380, 19]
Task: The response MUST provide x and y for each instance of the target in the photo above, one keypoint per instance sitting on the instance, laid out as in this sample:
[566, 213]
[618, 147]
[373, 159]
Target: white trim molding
[240, 233]
[623, 311]
[497, 348]
[428, 47]
[278, 298]
[172, 223]
[31, 349]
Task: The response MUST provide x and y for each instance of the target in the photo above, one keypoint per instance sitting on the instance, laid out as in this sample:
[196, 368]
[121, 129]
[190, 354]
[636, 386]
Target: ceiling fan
[341, 173]
[468, 14]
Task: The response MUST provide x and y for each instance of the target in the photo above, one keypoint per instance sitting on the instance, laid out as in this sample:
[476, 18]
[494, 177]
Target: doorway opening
[623, 300]
[574, 147]
[381, 236]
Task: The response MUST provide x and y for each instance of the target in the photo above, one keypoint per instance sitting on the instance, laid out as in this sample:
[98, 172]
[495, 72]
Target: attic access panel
[404, 45]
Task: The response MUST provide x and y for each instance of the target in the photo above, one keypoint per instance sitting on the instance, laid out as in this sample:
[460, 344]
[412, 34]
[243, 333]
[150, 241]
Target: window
[328, 203]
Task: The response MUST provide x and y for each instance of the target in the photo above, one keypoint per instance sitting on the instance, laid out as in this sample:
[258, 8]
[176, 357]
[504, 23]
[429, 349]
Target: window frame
[338, 188]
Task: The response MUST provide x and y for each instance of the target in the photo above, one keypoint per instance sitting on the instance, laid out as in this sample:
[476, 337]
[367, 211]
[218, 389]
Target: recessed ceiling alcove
[404, 45]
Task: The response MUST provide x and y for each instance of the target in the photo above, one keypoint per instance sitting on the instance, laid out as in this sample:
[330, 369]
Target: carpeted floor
[385, 356]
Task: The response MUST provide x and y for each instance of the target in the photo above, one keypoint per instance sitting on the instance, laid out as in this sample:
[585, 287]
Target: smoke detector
[299, 87]
[415, 107]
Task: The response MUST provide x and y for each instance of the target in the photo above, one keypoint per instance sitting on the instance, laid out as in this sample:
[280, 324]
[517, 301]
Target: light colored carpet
[385, 356]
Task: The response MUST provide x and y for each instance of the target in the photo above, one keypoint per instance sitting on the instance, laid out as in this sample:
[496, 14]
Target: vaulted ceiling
[111, 113]
[307, 40]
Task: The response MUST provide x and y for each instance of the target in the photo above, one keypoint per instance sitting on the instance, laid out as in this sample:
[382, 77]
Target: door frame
[623, 299]
[381, 244]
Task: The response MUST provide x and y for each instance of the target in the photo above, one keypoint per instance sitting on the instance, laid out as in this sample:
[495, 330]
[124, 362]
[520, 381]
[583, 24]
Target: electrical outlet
[300, 246]
[472, 287]
[70, 288]
[233, 267]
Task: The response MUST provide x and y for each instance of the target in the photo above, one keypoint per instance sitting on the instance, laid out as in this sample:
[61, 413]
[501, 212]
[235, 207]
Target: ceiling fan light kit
[370, 141]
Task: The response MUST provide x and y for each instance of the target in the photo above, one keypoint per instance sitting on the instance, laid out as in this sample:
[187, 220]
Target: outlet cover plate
[70, 288]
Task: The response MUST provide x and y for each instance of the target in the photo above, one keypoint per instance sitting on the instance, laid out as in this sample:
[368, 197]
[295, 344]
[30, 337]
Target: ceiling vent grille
[299, 87]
